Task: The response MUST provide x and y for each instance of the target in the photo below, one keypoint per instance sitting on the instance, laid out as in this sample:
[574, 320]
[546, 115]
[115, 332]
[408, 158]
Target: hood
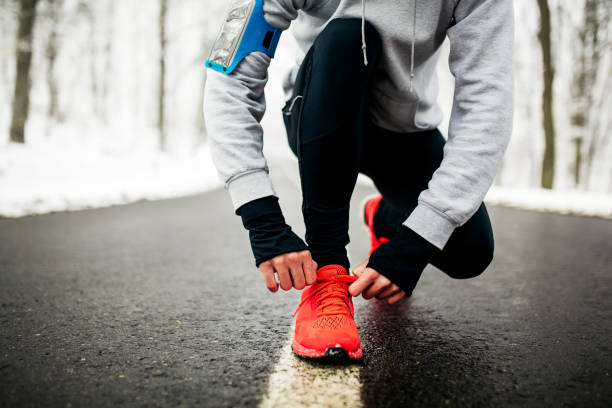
[363, 39]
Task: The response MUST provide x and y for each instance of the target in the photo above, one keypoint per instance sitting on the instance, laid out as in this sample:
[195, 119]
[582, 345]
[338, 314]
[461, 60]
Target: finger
[284, 277]
[297, 276]
[389, 291]
[283, 273]
[359, 269]
[396, 298]
[309, 266]
[295, 268]
[381, 283]
[363, 282]
[268, 274]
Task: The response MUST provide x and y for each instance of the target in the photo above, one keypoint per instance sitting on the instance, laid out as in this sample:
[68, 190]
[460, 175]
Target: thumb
[359, 269]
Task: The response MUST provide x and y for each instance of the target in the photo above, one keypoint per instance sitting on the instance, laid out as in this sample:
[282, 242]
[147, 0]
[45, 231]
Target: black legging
[327, 132]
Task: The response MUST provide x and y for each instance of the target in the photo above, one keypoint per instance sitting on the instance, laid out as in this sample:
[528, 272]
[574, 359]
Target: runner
[363, 100]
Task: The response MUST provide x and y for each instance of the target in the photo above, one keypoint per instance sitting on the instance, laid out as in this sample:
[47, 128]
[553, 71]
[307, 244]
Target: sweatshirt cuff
[431, 225]
[266, 207]
[249, 187]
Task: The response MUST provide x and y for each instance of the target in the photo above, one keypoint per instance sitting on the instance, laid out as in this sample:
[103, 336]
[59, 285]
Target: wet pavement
[160, 304]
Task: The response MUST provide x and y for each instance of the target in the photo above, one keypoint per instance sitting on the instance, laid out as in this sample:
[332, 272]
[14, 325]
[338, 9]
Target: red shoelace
[332, 300]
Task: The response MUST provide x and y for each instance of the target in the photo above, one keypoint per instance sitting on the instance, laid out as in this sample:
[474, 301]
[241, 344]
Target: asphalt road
[160, 304]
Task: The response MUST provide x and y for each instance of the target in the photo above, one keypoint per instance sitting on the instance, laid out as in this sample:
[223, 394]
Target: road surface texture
[160, 304]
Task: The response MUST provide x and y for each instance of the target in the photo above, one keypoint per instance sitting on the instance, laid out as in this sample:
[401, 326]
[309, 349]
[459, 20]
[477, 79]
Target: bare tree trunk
[161, 123]
[591, 40]
[548, 164]
[23, 81]
[580, 102]
[51, 54]
[577, 160]
[5, 57]
[108, 63]
[89, 11]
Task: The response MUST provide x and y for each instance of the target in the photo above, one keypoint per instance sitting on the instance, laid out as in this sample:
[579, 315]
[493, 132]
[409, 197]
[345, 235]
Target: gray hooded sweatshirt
[404, 91]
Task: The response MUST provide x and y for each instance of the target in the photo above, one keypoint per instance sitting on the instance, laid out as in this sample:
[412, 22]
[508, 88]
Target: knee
[480, 259]
[473, 261]
[342, 38]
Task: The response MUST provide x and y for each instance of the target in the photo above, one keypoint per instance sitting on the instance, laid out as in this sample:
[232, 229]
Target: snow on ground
[65, 173]
[556, 201]
[47, 176]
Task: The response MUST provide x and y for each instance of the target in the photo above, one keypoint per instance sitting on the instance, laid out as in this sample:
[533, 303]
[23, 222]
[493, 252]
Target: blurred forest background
[118, 86]
[133, 66]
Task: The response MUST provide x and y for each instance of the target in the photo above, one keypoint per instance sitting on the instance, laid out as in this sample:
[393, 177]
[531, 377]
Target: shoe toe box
[330, 331]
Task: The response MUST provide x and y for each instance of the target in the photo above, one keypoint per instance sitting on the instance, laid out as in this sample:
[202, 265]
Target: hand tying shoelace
[332, 300]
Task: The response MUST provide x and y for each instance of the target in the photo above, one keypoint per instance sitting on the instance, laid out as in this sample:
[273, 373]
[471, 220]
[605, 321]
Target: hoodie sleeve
[234, 105]
[481, 60]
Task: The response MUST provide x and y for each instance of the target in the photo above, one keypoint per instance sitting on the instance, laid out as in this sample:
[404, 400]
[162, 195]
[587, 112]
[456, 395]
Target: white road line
[298, 383]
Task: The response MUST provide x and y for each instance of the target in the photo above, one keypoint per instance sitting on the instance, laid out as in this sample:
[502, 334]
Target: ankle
[387, 221]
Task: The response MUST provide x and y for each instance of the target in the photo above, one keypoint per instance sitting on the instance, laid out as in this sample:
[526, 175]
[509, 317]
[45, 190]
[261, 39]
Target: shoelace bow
[331, 301]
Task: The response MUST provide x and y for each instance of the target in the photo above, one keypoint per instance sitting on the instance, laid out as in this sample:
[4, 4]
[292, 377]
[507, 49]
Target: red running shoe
[370, 206]
[325, 328]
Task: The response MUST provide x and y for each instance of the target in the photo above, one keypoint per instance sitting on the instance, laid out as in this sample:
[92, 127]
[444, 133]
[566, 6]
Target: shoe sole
[335, 354]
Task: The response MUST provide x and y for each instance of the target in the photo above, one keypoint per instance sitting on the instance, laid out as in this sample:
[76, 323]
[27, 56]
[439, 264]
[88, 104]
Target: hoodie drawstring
[414, 22]
[363, 38]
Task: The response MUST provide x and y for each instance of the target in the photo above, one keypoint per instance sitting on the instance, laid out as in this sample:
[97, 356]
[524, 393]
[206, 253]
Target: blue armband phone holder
[244, 31]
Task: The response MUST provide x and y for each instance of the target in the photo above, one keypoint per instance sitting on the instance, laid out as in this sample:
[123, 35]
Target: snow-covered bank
[556, 201]
[49, 176]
